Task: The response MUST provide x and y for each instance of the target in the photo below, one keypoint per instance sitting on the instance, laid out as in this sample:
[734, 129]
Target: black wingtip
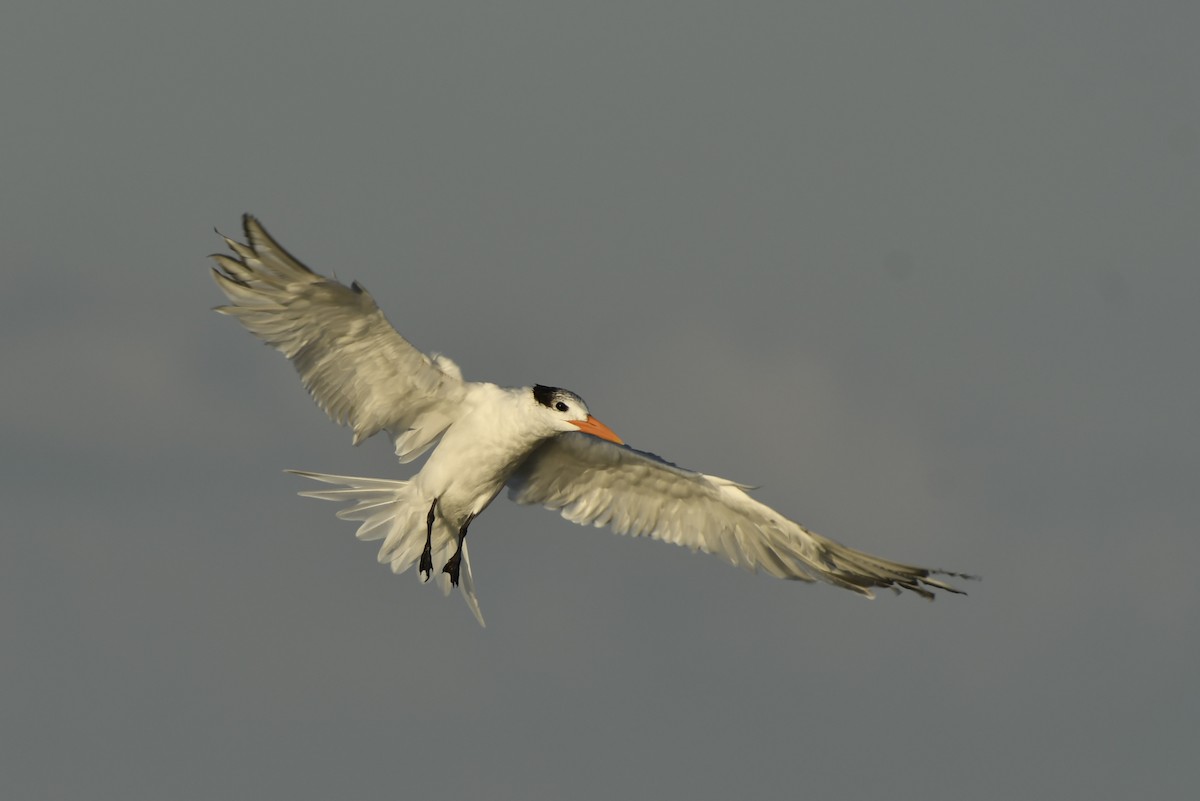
[221, 275]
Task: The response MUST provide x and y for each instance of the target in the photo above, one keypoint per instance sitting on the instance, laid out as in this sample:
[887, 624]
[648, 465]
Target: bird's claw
[452, 568]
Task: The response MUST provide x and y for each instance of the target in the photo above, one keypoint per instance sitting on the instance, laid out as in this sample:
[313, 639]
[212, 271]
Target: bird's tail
[394, 512]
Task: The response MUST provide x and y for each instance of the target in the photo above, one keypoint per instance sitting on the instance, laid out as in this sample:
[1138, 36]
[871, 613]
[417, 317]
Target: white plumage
[540, 442]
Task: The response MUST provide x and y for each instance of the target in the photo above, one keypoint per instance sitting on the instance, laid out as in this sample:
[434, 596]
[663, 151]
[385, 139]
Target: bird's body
[541, 442]
[480, 450]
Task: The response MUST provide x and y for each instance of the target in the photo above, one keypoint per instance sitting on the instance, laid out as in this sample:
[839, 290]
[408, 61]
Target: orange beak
[597, 429]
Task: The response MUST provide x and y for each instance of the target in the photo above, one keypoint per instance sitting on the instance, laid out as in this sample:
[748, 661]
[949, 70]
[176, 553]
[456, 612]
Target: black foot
[426, 566]
[452, 567]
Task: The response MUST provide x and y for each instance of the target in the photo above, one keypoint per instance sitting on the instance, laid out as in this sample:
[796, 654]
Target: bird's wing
[591, 481]
[357, 367]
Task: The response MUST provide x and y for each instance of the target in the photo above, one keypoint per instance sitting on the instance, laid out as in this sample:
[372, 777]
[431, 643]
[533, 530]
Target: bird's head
[566, 411]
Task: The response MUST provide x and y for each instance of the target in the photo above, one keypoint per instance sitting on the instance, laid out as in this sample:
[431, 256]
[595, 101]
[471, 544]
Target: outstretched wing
[357, 367]
[591, 481]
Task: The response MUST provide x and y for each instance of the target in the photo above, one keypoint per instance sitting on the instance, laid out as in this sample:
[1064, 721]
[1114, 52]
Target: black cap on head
[545, 395]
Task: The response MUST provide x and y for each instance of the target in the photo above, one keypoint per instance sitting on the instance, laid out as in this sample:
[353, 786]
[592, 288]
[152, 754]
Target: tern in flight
[540, 442]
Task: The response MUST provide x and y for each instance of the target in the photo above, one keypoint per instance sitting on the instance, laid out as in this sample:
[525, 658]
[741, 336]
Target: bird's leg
[426, 565]
[456, 560]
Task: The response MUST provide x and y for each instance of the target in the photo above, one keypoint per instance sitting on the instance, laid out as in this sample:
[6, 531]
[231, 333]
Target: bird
[541, 443]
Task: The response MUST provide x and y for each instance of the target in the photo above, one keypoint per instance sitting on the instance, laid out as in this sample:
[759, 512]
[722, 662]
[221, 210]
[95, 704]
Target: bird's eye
[562, 407]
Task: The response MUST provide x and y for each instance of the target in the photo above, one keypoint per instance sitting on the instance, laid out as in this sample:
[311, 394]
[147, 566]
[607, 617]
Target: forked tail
[394, 512]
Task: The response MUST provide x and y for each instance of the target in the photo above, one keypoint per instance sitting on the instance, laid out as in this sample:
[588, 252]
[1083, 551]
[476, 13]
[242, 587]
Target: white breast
[479, 451]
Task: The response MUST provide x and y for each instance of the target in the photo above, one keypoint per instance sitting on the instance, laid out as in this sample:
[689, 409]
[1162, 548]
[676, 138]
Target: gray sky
[927, 272]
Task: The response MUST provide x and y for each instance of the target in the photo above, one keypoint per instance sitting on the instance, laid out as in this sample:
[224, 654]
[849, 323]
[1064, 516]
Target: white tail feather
[393, 511]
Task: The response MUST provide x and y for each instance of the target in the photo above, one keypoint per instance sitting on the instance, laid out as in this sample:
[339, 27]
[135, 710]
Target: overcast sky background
[927, 272]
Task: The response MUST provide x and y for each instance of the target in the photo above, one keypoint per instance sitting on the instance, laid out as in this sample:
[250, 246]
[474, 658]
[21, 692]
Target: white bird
[541, 442]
